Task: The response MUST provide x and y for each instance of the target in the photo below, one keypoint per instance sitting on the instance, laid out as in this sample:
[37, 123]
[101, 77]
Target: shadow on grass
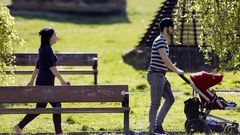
[100, 19]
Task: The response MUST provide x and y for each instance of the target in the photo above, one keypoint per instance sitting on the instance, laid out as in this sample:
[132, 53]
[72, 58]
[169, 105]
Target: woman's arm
[34, 74]
[58, 75]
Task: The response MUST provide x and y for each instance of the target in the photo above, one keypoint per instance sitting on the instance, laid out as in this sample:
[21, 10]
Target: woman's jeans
[160, 87]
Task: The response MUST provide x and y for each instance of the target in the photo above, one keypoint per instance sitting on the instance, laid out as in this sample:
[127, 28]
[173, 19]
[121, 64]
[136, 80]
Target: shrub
[8, 39]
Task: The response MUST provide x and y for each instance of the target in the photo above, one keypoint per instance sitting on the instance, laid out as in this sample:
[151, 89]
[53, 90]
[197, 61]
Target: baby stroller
[199, 119]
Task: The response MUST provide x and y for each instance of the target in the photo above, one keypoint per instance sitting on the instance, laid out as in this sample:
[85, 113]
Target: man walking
[160, 86]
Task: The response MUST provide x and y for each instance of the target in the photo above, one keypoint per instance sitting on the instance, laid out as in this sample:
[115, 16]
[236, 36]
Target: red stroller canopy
[204, 80]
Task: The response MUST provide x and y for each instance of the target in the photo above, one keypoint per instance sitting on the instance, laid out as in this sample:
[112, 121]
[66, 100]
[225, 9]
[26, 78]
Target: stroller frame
[230, 127]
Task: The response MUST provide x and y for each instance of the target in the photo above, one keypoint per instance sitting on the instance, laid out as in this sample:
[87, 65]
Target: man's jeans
[160, 87]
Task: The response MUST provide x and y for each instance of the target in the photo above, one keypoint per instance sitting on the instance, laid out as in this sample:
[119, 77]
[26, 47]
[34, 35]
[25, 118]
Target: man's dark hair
[166, 22]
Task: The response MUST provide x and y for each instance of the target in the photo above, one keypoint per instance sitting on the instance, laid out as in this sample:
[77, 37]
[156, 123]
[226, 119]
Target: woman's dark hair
[46, 34]
[166, 22]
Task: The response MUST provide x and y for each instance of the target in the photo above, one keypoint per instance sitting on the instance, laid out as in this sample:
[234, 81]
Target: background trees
[220, 22]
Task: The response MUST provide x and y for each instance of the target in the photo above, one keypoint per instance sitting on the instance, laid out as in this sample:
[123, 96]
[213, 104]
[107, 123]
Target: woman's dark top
[46, 59]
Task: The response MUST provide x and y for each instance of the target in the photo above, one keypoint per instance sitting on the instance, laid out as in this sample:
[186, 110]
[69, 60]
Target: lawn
[110, 37]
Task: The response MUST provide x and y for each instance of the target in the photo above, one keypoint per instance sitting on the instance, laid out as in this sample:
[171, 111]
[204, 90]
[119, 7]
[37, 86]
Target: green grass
[5, 2]
[110, 37]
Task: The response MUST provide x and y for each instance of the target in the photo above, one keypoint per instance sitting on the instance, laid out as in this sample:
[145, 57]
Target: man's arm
[168, 62]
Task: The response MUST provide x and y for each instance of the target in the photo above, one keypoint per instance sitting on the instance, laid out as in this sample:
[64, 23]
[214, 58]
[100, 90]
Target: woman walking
[45, 72]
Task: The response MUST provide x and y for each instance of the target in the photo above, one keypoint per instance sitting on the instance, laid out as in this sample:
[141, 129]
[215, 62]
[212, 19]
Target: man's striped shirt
[157, 64]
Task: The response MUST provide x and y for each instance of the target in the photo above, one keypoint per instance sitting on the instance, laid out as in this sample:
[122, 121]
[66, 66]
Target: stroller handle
[185, 79]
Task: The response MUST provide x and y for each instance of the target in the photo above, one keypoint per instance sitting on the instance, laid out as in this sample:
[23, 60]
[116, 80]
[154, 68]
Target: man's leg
[169, 100]
[156, 82]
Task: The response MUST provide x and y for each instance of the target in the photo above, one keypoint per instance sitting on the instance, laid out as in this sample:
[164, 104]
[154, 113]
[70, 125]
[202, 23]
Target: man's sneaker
[159, 130]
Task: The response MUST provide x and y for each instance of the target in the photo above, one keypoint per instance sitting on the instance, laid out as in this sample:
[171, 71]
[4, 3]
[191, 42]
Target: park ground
[110, 37]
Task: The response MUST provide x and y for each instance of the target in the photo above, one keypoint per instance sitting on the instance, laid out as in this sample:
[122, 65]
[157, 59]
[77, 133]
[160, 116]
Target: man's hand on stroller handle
[180, 72]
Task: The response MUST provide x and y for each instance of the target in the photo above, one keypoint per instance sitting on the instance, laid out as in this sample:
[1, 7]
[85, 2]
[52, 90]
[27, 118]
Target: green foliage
[8, 39]
[219, 21]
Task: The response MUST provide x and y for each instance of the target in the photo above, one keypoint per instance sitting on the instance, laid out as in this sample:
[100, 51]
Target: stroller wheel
[197, 126]
[231, 130]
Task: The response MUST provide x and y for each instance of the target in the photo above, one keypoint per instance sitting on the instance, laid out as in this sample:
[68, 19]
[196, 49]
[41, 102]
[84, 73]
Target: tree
[8, 38]
[220, 22]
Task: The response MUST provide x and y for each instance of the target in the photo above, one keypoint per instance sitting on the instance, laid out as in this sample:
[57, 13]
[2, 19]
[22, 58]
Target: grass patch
[110, 37]
[5, 2]
[236, 82]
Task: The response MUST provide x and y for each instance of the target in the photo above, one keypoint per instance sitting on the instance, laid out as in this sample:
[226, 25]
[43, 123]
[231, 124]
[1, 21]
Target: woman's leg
[29, 117]
[57, 119]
